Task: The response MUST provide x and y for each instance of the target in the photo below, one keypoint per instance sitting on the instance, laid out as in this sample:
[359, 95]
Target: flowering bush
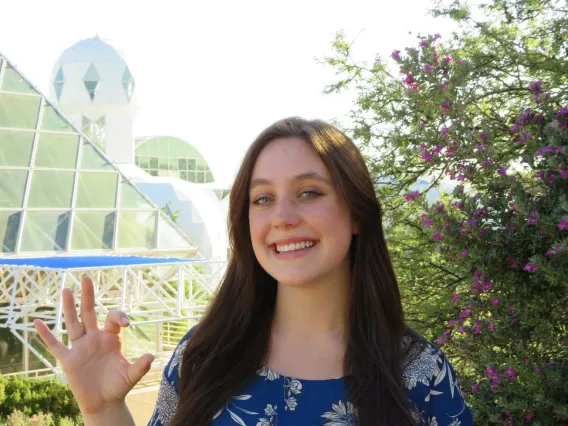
[483, 266]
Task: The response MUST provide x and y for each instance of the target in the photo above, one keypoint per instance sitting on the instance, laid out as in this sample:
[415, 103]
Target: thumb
[138, 369]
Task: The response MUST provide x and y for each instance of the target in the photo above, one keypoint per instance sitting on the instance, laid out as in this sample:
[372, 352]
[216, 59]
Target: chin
[295, 280]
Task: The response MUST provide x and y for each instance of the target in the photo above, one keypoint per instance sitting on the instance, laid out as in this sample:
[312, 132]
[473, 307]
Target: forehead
[288, 157]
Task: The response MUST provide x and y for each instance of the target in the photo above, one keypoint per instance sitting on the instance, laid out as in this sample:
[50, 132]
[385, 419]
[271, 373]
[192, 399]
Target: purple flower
[550, 179]
[395, 55]
[445, 85]
[563, 223]
[463, 61]
[530, 267]
[480, 147]
[425, 221]
[550, 252]
[412, 195]
[537, 369]
[465, 313]
[483, 137]
[444, 131]
[495, 302]
[448, 59]
[491, 327]
[529, 416]
[465, 252]
[455, 298]
[438, 236]
[533, 218]
[535, 87]
[409, 79]
[423, 43]
[428, 68]
[475, 388]
[437, 36]
[452, 323]
[502, 171]
[510, 373]
[421, 125]
[563, 173]
[514, 320]
[539, 175]
[516, 128]
[472, 223]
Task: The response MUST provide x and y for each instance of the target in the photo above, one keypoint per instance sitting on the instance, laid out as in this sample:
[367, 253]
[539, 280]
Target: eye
[310, 194]
[262, 200]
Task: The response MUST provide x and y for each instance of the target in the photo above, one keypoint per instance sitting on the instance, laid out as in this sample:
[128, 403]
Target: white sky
[216, 72]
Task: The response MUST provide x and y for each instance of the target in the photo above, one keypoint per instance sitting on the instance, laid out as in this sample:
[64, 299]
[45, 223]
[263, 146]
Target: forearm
[115, 415]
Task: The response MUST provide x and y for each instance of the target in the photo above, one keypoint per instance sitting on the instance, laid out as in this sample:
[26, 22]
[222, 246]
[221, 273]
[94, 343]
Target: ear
[355, 227]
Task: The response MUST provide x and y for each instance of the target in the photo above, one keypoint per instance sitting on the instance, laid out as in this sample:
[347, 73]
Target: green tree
[484, 268]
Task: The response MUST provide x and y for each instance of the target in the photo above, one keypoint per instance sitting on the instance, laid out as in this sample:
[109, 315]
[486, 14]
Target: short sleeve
[433, 389]
[168, 394]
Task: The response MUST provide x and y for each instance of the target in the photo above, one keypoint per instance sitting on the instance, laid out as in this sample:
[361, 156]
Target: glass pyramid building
[59, 193]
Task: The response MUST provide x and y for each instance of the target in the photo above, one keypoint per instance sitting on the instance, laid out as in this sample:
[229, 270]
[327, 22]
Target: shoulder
[173, 367]
[432, 385]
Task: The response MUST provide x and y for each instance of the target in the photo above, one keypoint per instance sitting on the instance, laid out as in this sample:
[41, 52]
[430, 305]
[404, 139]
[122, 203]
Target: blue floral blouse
[275, 400]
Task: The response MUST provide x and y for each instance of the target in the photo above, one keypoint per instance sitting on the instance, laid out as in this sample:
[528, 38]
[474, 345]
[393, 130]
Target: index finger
[57, 349]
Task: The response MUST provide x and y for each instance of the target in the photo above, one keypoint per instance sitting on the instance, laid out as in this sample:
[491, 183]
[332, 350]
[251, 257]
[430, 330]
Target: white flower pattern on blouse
[342, 415]
[275, 400]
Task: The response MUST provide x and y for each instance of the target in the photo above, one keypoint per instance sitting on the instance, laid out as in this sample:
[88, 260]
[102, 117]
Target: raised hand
[98, 373]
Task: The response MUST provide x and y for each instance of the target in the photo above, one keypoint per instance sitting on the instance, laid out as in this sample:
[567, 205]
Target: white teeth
[294, 246]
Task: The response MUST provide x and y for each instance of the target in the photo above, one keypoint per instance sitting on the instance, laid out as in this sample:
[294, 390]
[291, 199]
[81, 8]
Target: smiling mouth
[294, 247]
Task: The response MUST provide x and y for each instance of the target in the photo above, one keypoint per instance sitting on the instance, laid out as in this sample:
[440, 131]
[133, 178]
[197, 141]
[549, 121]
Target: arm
[115, 415]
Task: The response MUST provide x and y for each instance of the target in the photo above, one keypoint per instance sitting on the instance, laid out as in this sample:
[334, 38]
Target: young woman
[307, 327]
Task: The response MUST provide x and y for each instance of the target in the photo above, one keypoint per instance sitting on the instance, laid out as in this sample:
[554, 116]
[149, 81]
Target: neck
[313, 309]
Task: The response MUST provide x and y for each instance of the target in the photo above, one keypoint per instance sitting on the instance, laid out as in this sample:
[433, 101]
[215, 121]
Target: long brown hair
[231, 341]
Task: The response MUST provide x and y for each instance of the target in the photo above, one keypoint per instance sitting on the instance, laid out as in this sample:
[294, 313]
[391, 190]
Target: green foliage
[23, 398]
[483, 268]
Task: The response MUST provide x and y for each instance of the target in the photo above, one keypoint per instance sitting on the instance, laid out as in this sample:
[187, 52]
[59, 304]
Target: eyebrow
[304, 176]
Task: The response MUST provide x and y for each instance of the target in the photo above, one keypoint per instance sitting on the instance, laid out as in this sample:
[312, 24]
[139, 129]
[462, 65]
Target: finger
[88, 314]
[57, 349]
[139, 369]
[115, 320]
[74, 327]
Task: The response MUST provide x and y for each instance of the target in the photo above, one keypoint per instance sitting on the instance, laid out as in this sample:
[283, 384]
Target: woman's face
[301, 227]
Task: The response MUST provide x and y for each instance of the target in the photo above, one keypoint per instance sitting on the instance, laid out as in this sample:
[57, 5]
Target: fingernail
[125, 321]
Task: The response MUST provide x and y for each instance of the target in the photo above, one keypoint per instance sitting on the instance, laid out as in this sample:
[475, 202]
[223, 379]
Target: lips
[293, 245]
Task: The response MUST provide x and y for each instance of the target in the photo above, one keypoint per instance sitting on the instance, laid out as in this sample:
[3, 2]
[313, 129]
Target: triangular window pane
[128, 83]
[52, 120]
[92, 160]
[130, 198]
[91, 88]
[59, 77]
[92, 74]
[14, 82]
[58, 89]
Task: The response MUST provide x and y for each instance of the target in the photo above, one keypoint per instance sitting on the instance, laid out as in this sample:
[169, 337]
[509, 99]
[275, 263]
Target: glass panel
[52, 120]
[14, 82]
[59, 77]
[143, 162]
[92, 230]
[15, 148]
[209, 177]
[163, 147]
[172, 147]
[153, 162]
[191, 176]
[169, 236]
[142, 149]
[51, 189]
[45, 231]
[19, 111]
[58, 89]
[182, 164]
[91, 88]
[201, 164]
[91, 159]
[92, 74]
[163, 163]
[200, 177]
[183, 175]
[9, 224]
[173, 164]
[96, 190]
[57, 150]
[182, 149]
[153, 147]
[12, 185]
[153, 172]
[137, 230]
[191, 164]
[130, 198]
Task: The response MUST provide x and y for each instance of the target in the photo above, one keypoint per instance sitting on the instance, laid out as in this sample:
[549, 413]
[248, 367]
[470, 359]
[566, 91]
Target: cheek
[258, 228]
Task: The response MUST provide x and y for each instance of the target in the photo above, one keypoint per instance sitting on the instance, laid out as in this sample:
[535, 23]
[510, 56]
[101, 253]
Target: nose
[286, 214]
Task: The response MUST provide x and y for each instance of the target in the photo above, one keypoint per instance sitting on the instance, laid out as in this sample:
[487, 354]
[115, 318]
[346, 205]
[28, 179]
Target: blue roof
[88, 262]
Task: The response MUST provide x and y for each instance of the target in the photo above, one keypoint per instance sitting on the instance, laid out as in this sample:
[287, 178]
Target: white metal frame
[152, 293]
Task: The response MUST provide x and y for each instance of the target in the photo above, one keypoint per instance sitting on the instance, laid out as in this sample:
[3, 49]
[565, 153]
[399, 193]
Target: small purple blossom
[475, 388]
[409, 79]
[464, 252]
[465, 313]
[425, 221]
[510, 373]
[438, 236]
[472, 223]
[537, 369]
[530, 267]
[395, 55]
[455, 298]
[502, 171]
[412, 195]
[437, 36]
[491, 327]
[448, 59]
[535, 87]
[495, 302]
[428, 68]
[563, 223]
[516, 128]
[452, 323]
[444, 131]
[533, 218]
